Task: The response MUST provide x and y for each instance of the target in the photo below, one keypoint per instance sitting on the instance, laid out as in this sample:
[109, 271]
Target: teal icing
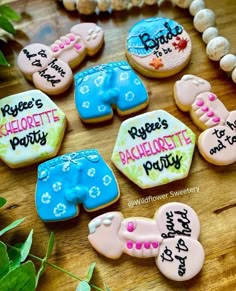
[154, 27]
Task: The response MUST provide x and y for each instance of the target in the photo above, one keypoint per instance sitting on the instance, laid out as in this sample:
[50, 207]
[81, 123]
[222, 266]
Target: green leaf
[44, 260]
[3, 201]
[21, 278]
[83, 286]
[12, 225]
[4, 261]
[90, 272]
[25, 247]
[107, 289]
[6, 25]
[19, 252]
[9, 13]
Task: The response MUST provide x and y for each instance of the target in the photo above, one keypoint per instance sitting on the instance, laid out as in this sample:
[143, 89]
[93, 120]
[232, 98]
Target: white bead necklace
[217, 48]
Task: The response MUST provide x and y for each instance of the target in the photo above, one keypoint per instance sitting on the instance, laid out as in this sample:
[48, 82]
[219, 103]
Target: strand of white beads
[217, 48]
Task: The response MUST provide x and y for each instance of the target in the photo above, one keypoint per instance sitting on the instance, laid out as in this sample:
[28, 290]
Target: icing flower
[156, 63]
[46, 198]
[57, 186]
[124, 76]
[59, 210]
[99, 81]
[102, 108]
[91, 172]
[94, 192]
[86, 104]
[84, 89]
[107, 180]
[129, 96]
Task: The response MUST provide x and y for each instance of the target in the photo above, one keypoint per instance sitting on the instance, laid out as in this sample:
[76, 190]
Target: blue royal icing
[75, 178]
[148, 34]
[99, 88]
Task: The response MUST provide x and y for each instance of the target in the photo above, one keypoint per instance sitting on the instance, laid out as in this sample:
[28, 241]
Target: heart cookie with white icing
[31, 128]
[154, 148]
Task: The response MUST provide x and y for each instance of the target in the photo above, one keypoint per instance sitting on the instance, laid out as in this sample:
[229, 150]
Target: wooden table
[215, 202]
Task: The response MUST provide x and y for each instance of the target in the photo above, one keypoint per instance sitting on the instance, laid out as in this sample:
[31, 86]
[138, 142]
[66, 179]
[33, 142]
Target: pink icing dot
[210, 113]
[67, 41]
[78, 46]
[216, 119]
[72, 38]
[155, 244]
[212, 97]
[138, 245]
[61, 45]
[200, 102]
[55, 49]
[205, 109]
[130, 226]
[147, 245]
[129, 244]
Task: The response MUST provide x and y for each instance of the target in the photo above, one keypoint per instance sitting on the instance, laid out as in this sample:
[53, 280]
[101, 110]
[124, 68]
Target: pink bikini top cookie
[154, 148]
[31, 128]
[171, 238]
[193, 94]
[158, 47]
[49, 67]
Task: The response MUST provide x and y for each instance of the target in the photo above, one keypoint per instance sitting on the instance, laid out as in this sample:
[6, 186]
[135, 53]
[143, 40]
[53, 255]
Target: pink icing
[67, 41]
[55, 49]
[205, 109]
[200, 102]
[155, 244]
[212, 97]
[130, 227]
[138, 245]
[129, 244]
[61, 45]
[216, 119]
[210, 113]
[78, 46]
[147, 245]
[72, 38]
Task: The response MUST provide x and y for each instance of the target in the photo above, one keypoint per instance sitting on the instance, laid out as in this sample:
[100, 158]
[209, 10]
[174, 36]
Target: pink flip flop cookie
[49, 67]
[193, 94]
[218, 144]
[179, 255]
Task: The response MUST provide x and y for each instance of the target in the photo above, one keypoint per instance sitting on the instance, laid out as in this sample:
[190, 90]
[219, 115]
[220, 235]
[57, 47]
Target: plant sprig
[7, 15]
[18, 273]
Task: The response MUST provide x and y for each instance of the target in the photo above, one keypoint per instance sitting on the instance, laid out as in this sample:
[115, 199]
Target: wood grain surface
[215, 202]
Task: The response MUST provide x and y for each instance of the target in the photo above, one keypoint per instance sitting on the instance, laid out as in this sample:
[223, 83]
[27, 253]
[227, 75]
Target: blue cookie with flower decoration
[100, 89]
[158, 47]
[66, 181]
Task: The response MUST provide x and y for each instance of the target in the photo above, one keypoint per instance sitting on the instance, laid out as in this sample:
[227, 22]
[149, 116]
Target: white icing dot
[203, 19]
[209, 34]
[228, 63]
[217, 48]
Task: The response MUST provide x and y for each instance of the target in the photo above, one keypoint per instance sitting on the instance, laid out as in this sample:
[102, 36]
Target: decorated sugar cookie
[101, 88]
[171, 238]
[154, 148]
[218, 144]
[193, 94]
[158, 47]
[31, 128]
[66, 181]
[49, 67]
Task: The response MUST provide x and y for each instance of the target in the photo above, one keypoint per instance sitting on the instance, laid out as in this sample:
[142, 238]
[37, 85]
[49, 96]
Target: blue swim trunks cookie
[113, 85]
[81, 177]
